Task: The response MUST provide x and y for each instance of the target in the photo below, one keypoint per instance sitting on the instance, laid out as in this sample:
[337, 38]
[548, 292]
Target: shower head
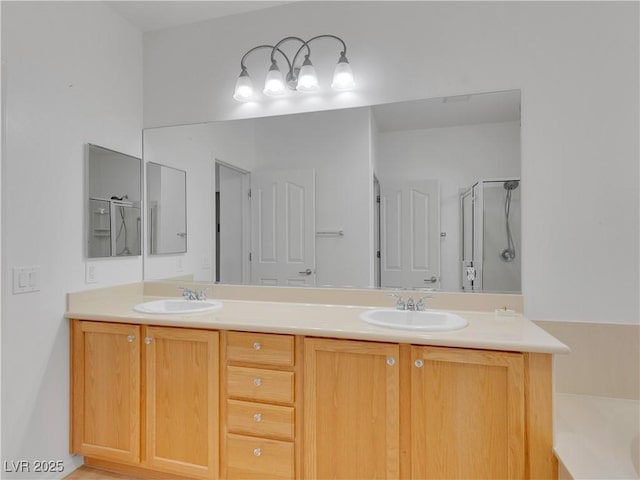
[511, 184]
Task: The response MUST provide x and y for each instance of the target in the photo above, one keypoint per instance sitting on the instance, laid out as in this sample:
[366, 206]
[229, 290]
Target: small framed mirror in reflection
[167, 209]
[114, 186]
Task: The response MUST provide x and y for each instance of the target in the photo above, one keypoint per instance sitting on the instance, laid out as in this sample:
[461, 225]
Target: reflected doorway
[232, 224]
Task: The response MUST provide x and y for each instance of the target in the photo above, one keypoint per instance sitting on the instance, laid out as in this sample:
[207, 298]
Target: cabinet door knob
[257, 452]
[257, 382]
[257, 346]
[391, 361]
[147, 340]
[418, 363]
[257, 417]
[131, 338]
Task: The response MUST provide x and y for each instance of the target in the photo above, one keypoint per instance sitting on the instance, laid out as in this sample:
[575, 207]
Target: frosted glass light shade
[244, 88]
[274, 84]
[307, 78]
[343, 76]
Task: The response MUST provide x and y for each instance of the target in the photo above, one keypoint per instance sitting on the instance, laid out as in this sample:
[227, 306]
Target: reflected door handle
[308, 271]
[181, 234]
[431, 280]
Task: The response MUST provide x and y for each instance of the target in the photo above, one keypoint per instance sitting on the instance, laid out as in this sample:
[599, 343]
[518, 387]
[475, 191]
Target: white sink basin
[426, 320]
[178, 306]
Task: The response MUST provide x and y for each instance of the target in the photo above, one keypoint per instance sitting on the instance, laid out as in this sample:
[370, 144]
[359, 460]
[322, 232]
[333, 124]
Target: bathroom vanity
[269, 389]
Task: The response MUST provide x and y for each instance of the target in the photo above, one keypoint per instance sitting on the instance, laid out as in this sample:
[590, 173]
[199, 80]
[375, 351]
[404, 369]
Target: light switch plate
[91, 273]
[26, 279]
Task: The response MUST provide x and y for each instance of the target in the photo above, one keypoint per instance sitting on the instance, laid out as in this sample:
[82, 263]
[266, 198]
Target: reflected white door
[232, 237]
[283, 228]
[410, 234]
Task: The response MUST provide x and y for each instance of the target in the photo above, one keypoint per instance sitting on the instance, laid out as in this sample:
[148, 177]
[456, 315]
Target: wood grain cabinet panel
[260, 384]
[265, 349]
[261, 420]
[467, 414]
[351, 411]
[259, 458]
[182, 401]
[105, 422]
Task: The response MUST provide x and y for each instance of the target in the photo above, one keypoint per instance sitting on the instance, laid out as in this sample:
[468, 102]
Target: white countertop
[486, 330]
[597, 437]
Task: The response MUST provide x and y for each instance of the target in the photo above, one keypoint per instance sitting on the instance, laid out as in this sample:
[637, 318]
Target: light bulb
[244, 87]
[342, 75]
[274, 84]
[307, 78]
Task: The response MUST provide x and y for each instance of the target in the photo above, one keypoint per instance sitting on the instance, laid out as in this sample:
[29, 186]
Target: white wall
[575, 62]
[73, 75]
[457, 157]
[337, 146]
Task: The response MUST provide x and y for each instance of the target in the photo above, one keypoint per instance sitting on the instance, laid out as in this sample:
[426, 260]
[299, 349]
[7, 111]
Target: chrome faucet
[193, 294]
[410, 304]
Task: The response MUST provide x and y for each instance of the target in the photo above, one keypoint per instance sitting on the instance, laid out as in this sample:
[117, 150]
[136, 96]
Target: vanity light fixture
[302, 77]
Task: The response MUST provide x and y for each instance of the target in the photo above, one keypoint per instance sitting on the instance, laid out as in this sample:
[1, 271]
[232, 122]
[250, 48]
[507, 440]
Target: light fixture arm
[273, 50]
[306, 44]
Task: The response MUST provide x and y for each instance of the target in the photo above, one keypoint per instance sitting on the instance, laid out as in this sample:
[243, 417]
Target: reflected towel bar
[330, 233]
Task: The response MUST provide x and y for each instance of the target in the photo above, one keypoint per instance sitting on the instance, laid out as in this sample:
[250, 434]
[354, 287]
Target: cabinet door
[351, 412]
[467, 412]
[106, 391]
[182, 401]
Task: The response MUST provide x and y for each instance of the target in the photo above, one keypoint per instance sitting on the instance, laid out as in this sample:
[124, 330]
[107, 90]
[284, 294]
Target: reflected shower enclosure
[114, 190]
[491, 223]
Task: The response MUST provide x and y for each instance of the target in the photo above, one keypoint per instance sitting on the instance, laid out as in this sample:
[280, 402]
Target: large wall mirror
[114, 187]
[166, 209]
[420, 194]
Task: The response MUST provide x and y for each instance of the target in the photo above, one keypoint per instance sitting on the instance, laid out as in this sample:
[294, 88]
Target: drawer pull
[131, 338]
[257, 452]
[257, 382]
[147, 340]
[257, 345]
[257, 417]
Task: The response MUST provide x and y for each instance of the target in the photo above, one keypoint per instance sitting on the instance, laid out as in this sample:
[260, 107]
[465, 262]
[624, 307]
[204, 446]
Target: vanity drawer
[258, 458]
[260, 384]
[260, 420]
[262, 348]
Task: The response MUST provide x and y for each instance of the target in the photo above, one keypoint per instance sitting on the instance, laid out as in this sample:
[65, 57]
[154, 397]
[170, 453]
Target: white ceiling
[449, 111]
[155, 15]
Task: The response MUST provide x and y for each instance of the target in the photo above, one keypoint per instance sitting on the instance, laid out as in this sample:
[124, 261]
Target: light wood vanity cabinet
[164, 401]
[260, 402]
[145, 397]
[377, 410]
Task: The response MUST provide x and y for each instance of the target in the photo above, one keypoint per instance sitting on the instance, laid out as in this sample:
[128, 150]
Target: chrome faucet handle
[400, 305]
[188, 293]
[202, 294]
[410, 304]
[420, 302]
